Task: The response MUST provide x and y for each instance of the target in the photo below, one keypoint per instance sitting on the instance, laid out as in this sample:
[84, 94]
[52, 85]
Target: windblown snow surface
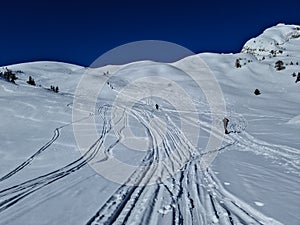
[255, 178]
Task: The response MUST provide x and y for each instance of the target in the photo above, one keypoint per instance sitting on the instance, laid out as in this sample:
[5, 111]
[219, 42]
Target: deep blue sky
[79, 32]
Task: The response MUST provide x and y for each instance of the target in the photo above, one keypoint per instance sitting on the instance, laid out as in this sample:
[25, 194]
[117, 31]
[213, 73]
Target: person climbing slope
[225, 123]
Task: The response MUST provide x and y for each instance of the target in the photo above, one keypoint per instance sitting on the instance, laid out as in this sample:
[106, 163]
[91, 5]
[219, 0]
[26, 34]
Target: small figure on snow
[298, 78]
[156, 106]
[225, 123]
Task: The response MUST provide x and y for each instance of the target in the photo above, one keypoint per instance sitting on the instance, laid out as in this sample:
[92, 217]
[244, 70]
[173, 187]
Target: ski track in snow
[187, 196]
[37, 153]
[284, 155]
[29, 160]
[12, 195]
[191, 196]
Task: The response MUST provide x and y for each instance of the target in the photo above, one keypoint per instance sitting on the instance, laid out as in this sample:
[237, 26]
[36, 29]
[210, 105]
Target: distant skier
[156, 106]
[225, 123]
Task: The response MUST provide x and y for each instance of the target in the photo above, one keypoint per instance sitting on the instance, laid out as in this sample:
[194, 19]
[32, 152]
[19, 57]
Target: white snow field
[254, 179]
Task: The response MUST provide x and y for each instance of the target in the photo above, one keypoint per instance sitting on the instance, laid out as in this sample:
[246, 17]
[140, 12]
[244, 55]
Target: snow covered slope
[255, 178]
[281, 40]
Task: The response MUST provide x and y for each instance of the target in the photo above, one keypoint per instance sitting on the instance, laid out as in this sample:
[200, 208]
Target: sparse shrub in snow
[9, 75]
[279, 65]
[295, 36]
[273, 53]
[55, 89]
[31, 81]
[237, 63]
[257, 92]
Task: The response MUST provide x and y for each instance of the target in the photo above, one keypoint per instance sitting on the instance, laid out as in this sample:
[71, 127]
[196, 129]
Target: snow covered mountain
[45, 178]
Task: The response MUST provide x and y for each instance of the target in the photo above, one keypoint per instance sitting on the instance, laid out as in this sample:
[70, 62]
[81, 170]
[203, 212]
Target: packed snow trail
[38, 152]
[29, 160]
[162, 193]
[12, 195]
[168, 187]
[187, 196]
[286, 156]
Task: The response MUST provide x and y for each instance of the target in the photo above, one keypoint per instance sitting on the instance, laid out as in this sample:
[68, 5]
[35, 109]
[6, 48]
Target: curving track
[184, 196]
[169, 185]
